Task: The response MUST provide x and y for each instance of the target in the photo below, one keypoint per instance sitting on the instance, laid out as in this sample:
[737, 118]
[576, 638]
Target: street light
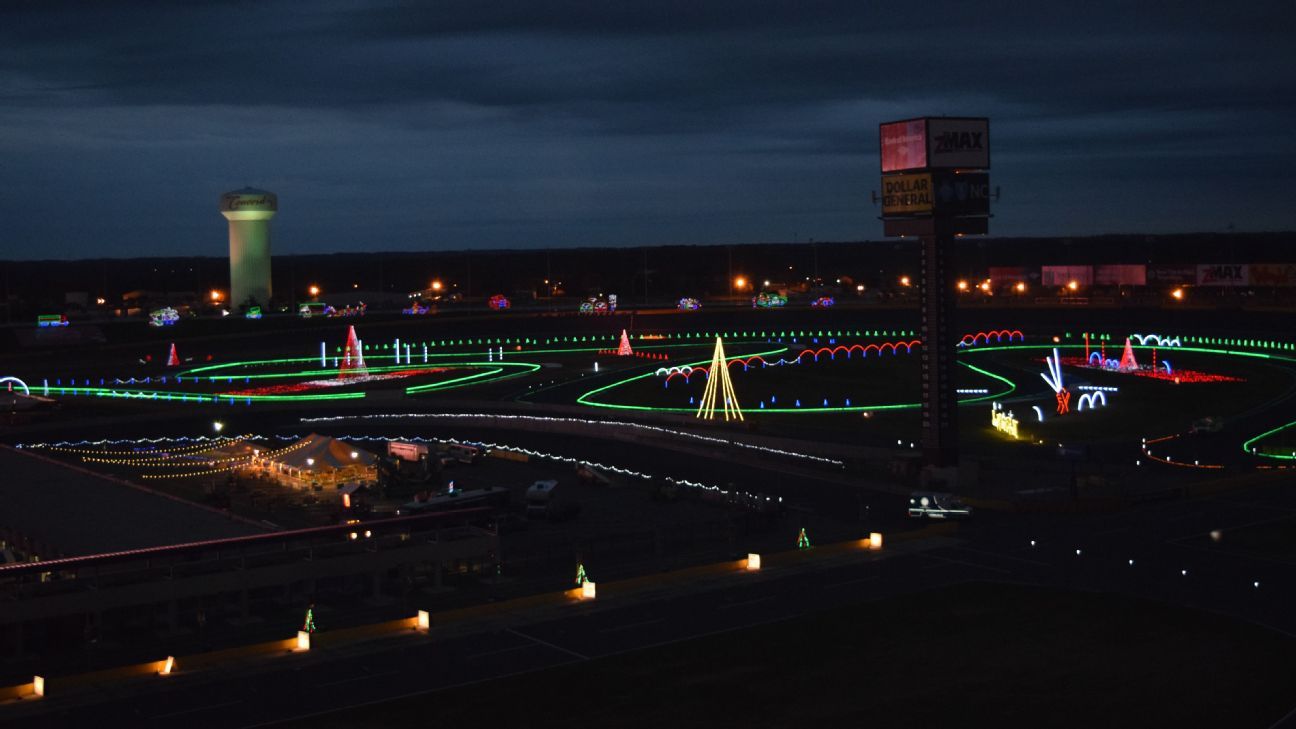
[962, 285]
[313, 290]
[739, 282]
[215, 295]
[1073, 285]
[436, 285]
[1177, 294]
[1020, 287]
[218, 426]
[904, 280]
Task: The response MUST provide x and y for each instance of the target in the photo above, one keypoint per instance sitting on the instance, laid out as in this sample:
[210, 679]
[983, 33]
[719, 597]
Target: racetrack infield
[976, 654]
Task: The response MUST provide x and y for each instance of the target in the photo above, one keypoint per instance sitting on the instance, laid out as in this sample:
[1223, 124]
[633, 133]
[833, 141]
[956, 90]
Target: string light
[538, 419]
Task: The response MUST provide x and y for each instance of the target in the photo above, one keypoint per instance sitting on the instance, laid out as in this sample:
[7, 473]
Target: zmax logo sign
[959, 142]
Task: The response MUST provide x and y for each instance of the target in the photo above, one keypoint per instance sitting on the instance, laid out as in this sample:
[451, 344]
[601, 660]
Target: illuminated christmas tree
[719, 386]
[803, 541]
[1127, 359]
[309, 624]
[173, 359]
[624, 350]
[581, 579]
[352, 356]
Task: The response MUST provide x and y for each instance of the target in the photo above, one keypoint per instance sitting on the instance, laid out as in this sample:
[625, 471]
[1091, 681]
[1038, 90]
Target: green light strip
[195, 396]
[1200, 350]
[567, 350]
[1248, 447]
[495, 368]
[584, 399]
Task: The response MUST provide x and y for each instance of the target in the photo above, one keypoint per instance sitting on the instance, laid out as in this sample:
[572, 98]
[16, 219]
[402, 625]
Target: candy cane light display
[1054, 380]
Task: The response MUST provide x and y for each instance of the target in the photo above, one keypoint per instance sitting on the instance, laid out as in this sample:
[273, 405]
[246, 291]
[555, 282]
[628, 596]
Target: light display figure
[1054, 380]
[719, 386]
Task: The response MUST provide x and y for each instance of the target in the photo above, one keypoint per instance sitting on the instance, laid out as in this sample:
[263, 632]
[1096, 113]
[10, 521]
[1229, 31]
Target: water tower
[249, 211]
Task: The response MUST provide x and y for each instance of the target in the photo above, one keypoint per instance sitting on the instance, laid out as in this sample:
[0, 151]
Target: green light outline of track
[493, 368]
[194, 397]
[1202, 350]
[704, 337]
[515, 354]
[490, 368]
[582, 400]
[1249, 450]
[221, 379]
[306, 373]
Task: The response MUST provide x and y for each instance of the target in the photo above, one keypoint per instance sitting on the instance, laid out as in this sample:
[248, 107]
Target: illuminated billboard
[1223, 274]
[933, 143]
[1273, 274]
[907, 194]
[966, 193]
[1171, 273]
[1121, 274]
[1064, 275]
[958, 143]
[904, 145]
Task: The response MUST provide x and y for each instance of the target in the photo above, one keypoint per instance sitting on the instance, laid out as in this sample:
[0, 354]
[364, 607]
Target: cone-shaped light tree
[352, 356]
[719, 387]
[1128, 362]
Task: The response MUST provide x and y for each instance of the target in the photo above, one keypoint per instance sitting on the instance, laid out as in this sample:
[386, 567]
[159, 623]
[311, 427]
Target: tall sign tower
[936, 187]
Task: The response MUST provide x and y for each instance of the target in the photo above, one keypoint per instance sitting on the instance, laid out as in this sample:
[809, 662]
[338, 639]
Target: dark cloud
[452, 124]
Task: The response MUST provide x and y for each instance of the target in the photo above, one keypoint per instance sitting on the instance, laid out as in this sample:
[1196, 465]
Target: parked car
[933, 505]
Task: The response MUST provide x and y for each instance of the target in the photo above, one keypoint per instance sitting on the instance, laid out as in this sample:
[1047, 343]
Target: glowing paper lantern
[875, 541]
[753, 562]
[38, 685]
[424, 620]
[588, 591]
[303, 640]
[167, 666]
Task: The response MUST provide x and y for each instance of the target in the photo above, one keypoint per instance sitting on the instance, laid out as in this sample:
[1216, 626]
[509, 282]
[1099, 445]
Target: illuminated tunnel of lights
[593, 397]
[687, 371]
[969, 340]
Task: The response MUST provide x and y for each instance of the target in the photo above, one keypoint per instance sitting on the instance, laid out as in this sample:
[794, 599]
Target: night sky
[522, 123]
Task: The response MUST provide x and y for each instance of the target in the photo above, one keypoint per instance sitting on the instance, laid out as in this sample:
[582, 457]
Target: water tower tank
[249, 212]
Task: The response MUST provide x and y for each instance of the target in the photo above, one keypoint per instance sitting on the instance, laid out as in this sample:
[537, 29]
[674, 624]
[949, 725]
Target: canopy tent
[318, 460]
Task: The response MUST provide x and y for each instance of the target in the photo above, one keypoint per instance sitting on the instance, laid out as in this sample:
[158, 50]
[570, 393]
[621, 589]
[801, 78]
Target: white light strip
[583, 421]
[420, 439]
